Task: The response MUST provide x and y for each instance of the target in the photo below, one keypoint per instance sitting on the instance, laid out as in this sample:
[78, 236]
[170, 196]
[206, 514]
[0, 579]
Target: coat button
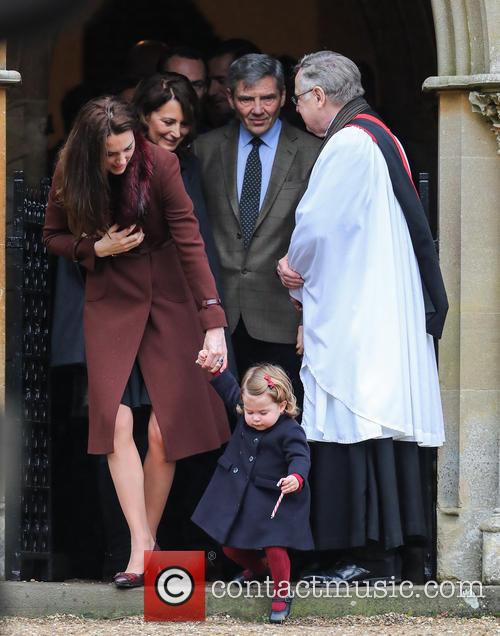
[235, 470]
[238, 236]
[255, 440]
[250, 459]
[244, 271]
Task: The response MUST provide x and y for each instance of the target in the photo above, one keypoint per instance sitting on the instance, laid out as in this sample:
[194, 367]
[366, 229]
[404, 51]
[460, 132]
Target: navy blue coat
[236, 507]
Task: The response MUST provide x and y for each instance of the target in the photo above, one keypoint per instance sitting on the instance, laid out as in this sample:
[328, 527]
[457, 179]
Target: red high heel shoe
[128, 580]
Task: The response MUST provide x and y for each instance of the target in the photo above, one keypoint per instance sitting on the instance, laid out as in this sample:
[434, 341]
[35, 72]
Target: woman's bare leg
[128, 477]
[158, 476]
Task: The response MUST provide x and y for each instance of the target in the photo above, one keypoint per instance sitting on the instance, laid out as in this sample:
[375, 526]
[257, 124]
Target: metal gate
[27, 426]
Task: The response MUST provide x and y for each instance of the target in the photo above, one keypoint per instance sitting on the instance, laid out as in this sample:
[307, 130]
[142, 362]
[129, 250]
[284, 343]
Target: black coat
[191, 176]
[67, 344]
[236, 507]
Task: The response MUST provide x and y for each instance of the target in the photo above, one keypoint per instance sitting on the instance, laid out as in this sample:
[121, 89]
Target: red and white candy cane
[275, 509]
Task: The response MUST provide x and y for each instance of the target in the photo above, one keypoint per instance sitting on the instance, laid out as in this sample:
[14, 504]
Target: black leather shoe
[347, 573]
[127, 580]
[282, 615]
[242, 579]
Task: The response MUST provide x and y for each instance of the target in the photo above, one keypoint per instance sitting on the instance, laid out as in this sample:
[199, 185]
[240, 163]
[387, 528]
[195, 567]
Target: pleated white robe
[369, 368]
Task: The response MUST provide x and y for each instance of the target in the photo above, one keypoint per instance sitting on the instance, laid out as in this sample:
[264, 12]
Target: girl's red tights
[276, 559]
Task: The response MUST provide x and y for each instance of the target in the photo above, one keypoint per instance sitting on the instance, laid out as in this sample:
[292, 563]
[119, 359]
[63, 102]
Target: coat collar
[282, 418]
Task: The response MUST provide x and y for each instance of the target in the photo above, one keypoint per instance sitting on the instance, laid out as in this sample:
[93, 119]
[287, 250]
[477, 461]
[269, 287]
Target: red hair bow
[269, 380]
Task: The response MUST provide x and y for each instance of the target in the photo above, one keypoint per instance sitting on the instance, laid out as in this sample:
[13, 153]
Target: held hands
[213, 356]
[289, 278]
[114, 242]
[288, 484]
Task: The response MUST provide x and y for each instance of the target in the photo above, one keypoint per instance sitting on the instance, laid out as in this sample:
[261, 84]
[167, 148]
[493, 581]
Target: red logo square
[174, 586]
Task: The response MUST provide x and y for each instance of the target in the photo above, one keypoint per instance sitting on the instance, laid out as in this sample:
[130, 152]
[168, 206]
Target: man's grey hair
[253, 67]
[337, 75]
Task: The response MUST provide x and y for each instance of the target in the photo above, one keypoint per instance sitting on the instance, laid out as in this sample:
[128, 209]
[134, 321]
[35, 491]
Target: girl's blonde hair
[273, 380]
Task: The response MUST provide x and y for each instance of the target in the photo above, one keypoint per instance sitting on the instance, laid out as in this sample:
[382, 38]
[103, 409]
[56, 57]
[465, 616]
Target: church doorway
[394, 45]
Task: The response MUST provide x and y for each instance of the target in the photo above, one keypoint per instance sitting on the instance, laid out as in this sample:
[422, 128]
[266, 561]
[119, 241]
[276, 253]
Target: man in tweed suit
[253, 172]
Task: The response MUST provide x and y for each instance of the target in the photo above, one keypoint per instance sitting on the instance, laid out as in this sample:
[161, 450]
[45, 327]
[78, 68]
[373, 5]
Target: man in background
[219, 111]
[189, 62]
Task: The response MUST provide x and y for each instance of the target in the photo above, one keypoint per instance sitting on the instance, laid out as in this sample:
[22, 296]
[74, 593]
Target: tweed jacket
[251, 288]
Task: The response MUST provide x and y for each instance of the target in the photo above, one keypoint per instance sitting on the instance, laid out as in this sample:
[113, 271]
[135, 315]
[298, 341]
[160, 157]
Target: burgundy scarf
[136, 185]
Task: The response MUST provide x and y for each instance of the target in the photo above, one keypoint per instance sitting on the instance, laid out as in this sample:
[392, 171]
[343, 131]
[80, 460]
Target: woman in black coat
[267, 455]
[168, 109]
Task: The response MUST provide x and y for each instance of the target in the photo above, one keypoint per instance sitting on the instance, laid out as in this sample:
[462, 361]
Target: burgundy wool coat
[148, 304]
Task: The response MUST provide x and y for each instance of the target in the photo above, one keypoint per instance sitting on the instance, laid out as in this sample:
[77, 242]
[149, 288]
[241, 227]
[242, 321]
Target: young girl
[267, 455]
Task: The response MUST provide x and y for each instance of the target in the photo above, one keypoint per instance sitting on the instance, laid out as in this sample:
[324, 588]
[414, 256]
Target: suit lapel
[283, 159]
[229, 159]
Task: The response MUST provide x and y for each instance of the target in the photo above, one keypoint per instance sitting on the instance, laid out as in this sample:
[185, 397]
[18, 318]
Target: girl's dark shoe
[128, 580]
[280, 616]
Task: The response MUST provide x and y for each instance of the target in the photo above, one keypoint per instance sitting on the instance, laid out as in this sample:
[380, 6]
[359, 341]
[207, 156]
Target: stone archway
[468, 48]
[468, 85]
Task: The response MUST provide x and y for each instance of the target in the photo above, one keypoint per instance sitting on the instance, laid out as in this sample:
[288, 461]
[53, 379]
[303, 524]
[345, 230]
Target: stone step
[101, 600]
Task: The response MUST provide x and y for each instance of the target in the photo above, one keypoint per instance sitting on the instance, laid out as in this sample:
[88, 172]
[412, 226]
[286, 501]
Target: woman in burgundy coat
[118, 207]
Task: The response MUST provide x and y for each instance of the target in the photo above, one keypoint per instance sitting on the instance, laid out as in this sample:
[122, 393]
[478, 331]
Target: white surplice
[369, 368]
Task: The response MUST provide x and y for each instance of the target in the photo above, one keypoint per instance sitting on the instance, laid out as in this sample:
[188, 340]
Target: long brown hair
[154, 91]
[84, 191]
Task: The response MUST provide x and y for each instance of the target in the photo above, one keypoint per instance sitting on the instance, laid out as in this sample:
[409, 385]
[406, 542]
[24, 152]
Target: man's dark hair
[236, 46]
[251, 68]
[188, 52]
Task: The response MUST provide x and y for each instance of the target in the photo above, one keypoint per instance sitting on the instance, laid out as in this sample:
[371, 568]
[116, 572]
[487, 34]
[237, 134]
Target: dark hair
[251, 68]
[236, 46]
[187, 52]
[84, 190]
[159, 89]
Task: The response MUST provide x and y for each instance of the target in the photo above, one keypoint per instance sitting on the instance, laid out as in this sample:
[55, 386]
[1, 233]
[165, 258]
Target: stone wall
[468, 40]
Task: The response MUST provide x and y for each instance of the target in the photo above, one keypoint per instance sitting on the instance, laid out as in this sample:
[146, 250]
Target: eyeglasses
[295, 98]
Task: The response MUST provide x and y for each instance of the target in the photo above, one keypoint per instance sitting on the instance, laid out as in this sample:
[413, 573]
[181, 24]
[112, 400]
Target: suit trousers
[249, 351]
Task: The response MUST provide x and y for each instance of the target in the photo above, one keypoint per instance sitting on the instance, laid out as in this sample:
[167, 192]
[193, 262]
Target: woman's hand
[289, 278]
[299, 346]
[114, 242]
[216, 351]
[288, 484]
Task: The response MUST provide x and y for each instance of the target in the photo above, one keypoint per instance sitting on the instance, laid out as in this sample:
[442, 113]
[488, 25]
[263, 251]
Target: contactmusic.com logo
[174, 586]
